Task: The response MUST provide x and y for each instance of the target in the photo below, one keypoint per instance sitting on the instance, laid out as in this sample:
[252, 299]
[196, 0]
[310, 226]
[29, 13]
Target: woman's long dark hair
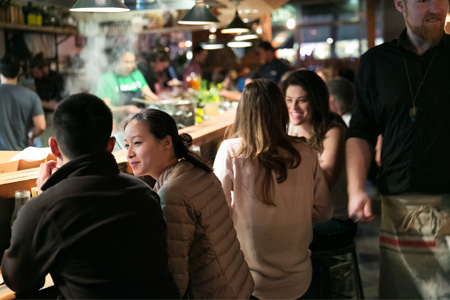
[261, 121]
[161, 124]
[318, 96]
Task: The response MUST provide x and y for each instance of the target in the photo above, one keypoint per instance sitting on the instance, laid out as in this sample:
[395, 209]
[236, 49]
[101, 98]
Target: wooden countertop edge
[201, 134]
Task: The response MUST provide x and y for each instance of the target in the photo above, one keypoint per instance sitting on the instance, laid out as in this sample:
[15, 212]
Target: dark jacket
[99, 233]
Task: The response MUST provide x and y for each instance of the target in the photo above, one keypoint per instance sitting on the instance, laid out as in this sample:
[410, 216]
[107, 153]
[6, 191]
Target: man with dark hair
[99, 233]
[49, 84]
[20, 109]
[271, 67]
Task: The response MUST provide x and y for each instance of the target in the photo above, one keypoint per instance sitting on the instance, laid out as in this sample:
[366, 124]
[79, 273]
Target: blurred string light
[290, 23]
[188, 44]
[330, 41]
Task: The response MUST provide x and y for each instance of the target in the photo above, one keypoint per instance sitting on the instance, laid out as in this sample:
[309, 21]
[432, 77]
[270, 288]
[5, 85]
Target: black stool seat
[322, 261]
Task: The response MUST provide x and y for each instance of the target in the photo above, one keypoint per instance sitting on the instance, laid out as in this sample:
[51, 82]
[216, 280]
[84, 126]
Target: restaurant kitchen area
[318, 35]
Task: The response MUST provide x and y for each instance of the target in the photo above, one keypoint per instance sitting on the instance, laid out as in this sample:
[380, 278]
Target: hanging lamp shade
[239, 44]
[199, 15]
[212, 43]
[99, 6]
[250, 35]
[236, 26]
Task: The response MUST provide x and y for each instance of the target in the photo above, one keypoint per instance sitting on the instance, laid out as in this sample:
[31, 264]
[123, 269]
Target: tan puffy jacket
[204, 252]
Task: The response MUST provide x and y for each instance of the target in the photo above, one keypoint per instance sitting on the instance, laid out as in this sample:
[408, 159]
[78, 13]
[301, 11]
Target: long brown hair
[318, 96]
[261, 121]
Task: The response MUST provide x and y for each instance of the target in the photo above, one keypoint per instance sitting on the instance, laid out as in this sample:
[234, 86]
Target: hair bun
[186, 139]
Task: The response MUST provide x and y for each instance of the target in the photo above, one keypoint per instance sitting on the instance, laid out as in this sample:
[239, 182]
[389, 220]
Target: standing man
[49, 84]
[99, 233]
[21, 114]
[402, 92]
[271, 67]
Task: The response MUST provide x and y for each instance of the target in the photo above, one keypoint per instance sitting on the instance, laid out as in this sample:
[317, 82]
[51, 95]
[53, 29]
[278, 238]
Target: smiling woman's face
[145, 153]
[298, 105]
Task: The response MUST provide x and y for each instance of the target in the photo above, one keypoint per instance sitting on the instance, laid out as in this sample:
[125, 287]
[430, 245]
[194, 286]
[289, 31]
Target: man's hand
[45, 171]
[360, 207]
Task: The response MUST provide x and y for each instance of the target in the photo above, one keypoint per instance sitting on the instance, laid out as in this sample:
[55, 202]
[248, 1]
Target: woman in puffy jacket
[204, 252]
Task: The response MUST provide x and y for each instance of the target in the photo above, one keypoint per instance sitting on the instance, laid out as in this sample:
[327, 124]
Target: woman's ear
[167, 142]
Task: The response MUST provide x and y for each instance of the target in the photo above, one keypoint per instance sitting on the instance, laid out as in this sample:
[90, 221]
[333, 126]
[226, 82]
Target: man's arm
[358, 156]
[38, 128]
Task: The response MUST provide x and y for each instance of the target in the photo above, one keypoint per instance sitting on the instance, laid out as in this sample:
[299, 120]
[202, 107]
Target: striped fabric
[414, 256]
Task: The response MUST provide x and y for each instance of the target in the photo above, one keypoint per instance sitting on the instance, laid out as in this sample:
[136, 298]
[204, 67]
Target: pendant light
[251, 35]
[99, 6]
[239, 44]
[236, 26]
[199, 15]
[212, 44]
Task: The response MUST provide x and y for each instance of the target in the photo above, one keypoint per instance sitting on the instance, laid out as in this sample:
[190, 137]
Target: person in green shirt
[125, 82]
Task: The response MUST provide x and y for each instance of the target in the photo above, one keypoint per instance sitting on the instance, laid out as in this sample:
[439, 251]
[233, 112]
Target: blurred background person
[49, 84]
[194, 69]
[158, 72]
[204, 253]
[307, 100]
[271, 67]
[276, 192]
[119, 86]
[342, 93]
[21, 115]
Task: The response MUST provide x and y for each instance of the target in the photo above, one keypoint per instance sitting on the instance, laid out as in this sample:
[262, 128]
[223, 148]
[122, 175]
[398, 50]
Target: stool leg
[357, 275]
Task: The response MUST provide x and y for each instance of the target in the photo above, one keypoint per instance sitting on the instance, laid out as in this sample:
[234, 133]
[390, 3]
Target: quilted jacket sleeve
[180, 219]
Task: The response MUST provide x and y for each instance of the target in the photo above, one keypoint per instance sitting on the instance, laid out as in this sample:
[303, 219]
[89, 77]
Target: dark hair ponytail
[161, 124]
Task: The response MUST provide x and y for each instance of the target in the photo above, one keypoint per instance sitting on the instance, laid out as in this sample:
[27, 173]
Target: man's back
[100, 234]
[18, 106]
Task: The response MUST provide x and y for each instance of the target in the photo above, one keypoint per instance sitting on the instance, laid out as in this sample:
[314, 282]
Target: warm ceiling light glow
[290, 23]
[246, 36]
[259, 30]
[188, 44]
[239, 44]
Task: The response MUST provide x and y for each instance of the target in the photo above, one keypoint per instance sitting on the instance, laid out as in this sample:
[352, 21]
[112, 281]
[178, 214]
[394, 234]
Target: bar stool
[324, 260]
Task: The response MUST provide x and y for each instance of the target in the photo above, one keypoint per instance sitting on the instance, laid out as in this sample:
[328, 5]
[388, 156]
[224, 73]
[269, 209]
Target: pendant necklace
[414, 109]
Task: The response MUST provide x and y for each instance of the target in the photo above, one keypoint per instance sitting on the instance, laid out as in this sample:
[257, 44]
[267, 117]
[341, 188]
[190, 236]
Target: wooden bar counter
[202, 134]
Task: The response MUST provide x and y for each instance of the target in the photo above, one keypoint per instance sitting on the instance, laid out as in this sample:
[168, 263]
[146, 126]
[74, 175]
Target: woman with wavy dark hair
[276, 192]
[307, 99]
[204, 253]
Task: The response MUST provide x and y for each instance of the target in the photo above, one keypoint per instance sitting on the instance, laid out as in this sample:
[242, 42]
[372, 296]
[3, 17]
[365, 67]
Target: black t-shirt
[414, 155]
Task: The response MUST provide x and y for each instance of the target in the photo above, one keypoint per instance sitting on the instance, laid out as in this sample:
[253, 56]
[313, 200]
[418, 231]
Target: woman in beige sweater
[276, 191]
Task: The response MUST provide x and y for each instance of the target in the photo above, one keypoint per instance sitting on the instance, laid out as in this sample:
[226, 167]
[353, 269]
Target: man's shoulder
[26, 92]
[381, 49]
